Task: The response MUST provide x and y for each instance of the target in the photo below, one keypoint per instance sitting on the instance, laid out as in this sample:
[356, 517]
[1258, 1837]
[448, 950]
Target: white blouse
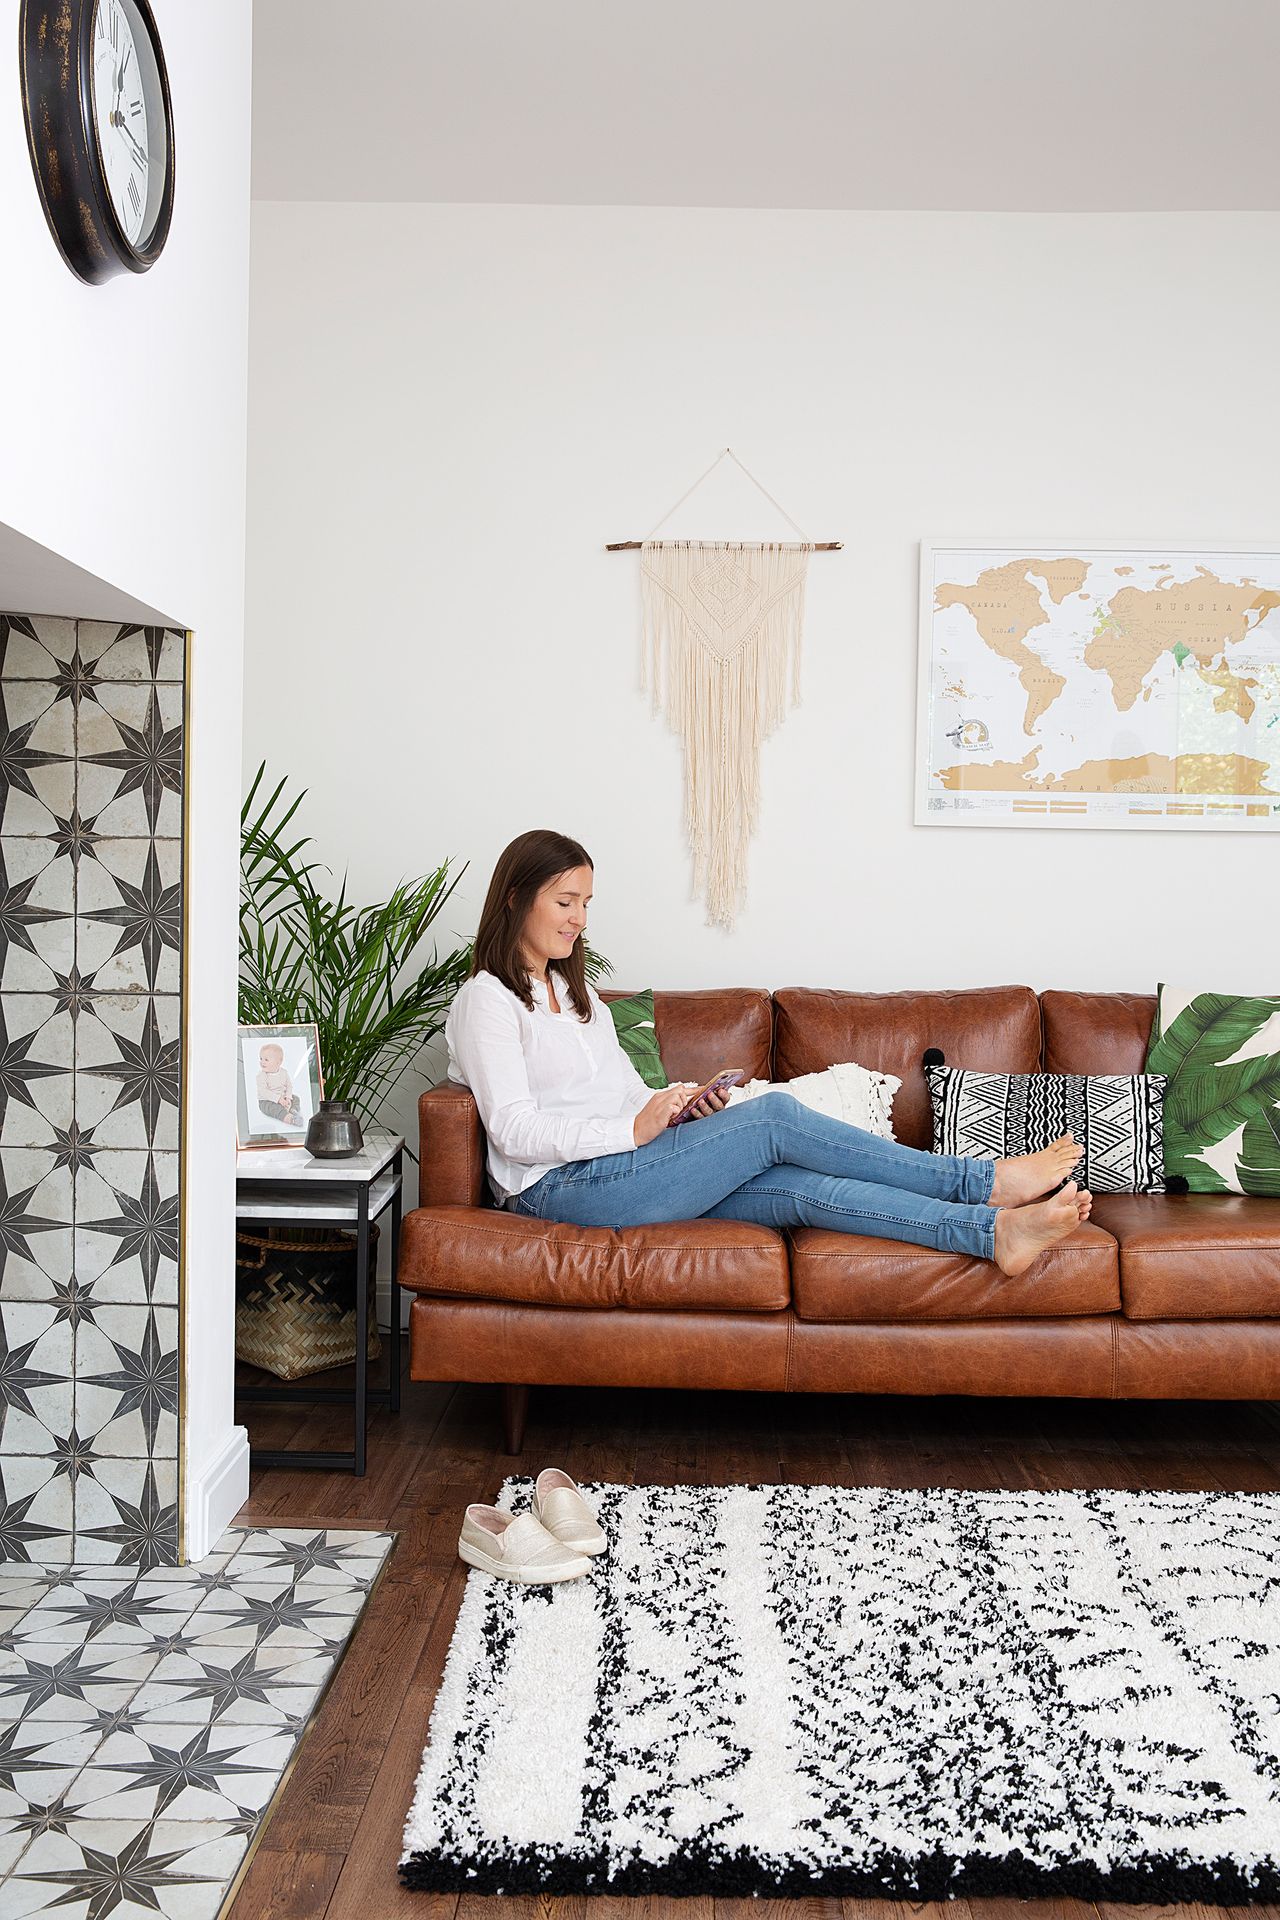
[550, 1087]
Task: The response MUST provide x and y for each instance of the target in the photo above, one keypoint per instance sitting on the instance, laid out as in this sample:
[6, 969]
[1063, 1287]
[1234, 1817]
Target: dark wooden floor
[331, 1847]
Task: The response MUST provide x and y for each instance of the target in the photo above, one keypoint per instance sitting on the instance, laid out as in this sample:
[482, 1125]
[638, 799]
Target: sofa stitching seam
[701, 1246]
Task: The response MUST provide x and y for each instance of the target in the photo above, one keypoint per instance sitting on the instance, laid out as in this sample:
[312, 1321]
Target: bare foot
[1031, 1174]
[1023, 1233]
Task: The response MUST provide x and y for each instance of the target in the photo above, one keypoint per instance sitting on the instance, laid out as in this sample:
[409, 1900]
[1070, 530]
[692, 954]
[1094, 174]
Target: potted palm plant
[311, 955]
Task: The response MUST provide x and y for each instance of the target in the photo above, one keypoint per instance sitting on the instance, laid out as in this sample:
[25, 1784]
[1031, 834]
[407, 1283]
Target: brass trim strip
[184, 1131]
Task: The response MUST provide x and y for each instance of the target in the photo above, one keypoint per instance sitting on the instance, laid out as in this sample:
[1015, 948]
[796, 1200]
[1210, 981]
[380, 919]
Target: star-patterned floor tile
[18, 1596]
[276, 1617]
[181, 1772]
[59, 1680]
[328, 1555]
[122, 1869]
[39, 1760]
[108, 1609]
[235, 1683]
[129, 1798]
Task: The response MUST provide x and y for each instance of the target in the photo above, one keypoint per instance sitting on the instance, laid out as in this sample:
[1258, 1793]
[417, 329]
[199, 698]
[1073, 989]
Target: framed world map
[1099, 687]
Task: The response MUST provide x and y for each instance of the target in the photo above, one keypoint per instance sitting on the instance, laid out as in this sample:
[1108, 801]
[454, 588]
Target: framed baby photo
[278, 1085]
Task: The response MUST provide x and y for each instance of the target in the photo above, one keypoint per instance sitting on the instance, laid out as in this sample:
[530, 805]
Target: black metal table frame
[362, 1395]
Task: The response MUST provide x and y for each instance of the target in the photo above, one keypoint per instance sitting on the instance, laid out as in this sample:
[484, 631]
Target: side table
[287, 1185]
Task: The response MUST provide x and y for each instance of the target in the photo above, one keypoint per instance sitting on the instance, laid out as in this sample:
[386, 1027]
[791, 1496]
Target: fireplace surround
[92, 837]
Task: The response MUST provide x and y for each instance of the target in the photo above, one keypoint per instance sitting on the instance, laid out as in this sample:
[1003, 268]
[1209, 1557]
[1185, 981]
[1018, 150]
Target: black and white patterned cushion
[1117, 1117]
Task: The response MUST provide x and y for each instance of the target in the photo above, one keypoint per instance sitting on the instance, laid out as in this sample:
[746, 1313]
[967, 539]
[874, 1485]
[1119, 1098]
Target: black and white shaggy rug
[819, 1690]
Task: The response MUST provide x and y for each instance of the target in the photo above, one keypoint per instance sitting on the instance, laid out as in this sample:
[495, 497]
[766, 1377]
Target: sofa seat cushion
[852, 1277]
[1195, 1256]
[730, 1266]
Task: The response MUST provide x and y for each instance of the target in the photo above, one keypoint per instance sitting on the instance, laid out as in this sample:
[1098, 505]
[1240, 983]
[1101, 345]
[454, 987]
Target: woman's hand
[658, 1113]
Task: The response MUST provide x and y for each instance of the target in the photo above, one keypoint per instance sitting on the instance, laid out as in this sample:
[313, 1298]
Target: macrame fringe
[726, 683]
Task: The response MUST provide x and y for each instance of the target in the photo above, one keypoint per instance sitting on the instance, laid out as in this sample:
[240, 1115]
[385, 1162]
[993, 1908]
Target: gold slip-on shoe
[564, 1512]
[516, 1546]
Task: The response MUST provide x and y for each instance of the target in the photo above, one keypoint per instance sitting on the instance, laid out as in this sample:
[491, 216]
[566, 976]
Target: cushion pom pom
[1177, 1183]
[934, 1057]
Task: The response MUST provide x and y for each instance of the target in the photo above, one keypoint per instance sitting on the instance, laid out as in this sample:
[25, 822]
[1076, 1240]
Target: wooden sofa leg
[515, 1406]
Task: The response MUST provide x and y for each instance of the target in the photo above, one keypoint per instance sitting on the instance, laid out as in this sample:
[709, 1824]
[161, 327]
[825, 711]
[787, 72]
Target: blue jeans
[777, 1162]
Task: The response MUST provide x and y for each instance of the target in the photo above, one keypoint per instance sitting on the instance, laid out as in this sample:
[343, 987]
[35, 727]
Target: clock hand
[141, 152]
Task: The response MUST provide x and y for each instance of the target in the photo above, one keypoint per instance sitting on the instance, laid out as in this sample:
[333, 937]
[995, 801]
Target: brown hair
[523, 869]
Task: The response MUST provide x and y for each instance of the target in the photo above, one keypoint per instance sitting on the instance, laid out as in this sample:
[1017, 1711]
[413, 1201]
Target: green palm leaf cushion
[633, 1018]
[1221, 1054]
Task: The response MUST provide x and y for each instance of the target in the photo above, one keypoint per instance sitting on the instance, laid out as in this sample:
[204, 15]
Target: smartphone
[728, 1077]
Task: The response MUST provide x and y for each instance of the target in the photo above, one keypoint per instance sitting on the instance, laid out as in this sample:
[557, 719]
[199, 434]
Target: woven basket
[296, 1300]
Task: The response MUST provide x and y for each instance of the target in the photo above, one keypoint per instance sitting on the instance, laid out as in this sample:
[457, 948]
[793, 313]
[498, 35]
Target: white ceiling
[1006, 105]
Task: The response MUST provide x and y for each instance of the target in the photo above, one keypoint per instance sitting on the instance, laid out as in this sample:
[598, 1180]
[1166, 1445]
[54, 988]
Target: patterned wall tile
[129, 769]
[37, 757]
[34, 647]
[126, 652]
[91, 771]
[36, 1519]
[37, 1265]
[127, 1208]
[127, 1513]
[35, 1193]
[129, 1070]
[126, 1384]
[37, 914]
[36, 1373]
[36, 1062]
[129, 916]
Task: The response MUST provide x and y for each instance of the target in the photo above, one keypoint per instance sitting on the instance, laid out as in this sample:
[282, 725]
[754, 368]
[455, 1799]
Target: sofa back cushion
[1096, 1032]
[708, 1028]
[996, 1029]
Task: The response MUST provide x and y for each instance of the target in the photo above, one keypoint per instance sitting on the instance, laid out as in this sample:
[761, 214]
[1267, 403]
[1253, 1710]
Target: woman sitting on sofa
[575, 1134]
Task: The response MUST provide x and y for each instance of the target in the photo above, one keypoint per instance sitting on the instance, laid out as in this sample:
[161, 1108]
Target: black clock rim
[57, 95]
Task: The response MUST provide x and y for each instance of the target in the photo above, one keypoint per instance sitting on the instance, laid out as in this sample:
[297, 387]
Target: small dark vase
[334, 1132]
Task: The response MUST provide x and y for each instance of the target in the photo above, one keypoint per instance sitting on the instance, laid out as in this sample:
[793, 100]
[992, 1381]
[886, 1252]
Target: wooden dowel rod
[817, 546]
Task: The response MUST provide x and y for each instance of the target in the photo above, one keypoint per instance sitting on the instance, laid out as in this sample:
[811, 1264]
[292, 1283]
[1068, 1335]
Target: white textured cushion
[858, 1095]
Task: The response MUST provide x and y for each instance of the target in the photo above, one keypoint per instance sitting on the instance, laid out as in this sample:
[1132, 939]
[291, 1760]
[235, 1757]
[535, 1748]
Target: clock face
[129, 118]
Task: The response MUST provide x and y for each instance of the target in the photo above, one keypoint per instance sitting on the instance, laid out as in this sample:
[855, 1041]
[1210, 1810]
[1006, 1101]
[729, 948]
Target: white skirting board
[216, 1494]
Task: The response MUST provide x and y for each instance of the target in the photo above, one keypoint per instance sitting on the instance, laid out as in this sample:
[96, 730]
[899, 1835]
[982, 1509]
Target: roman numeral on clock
[135, 198]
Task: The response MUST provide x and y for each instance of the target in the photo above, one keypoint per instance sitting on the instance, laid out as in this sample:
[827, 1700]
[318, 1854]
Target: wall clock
[100, 129]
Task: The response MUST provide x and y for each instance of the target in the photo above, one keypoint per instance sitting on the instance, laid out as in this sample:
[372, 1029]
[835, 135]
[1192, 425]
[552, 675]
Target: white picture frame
[279, 1084]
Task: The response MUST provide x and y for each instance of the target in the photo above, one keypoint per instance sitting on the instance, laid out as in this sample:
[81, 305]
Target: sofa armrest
[451, 1148]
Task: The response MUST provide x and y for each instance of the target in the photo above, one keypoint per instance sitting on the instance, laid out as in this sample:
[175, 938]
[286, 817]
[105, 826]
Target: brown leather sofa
[1158, 1296]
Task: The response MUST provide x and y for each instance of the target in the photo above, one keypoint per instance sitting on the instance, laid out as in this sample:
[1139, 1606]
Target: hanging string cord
[729, 454]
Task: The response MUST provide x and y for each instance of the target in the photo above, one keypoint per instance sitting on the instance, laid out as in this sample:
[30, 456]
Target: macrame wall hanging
[721, 630]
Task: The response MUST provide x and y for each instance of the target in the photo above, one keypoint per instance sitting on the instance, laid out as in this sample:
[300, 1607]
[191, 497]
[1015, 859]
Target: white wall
[453, 408]
[123, 449]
